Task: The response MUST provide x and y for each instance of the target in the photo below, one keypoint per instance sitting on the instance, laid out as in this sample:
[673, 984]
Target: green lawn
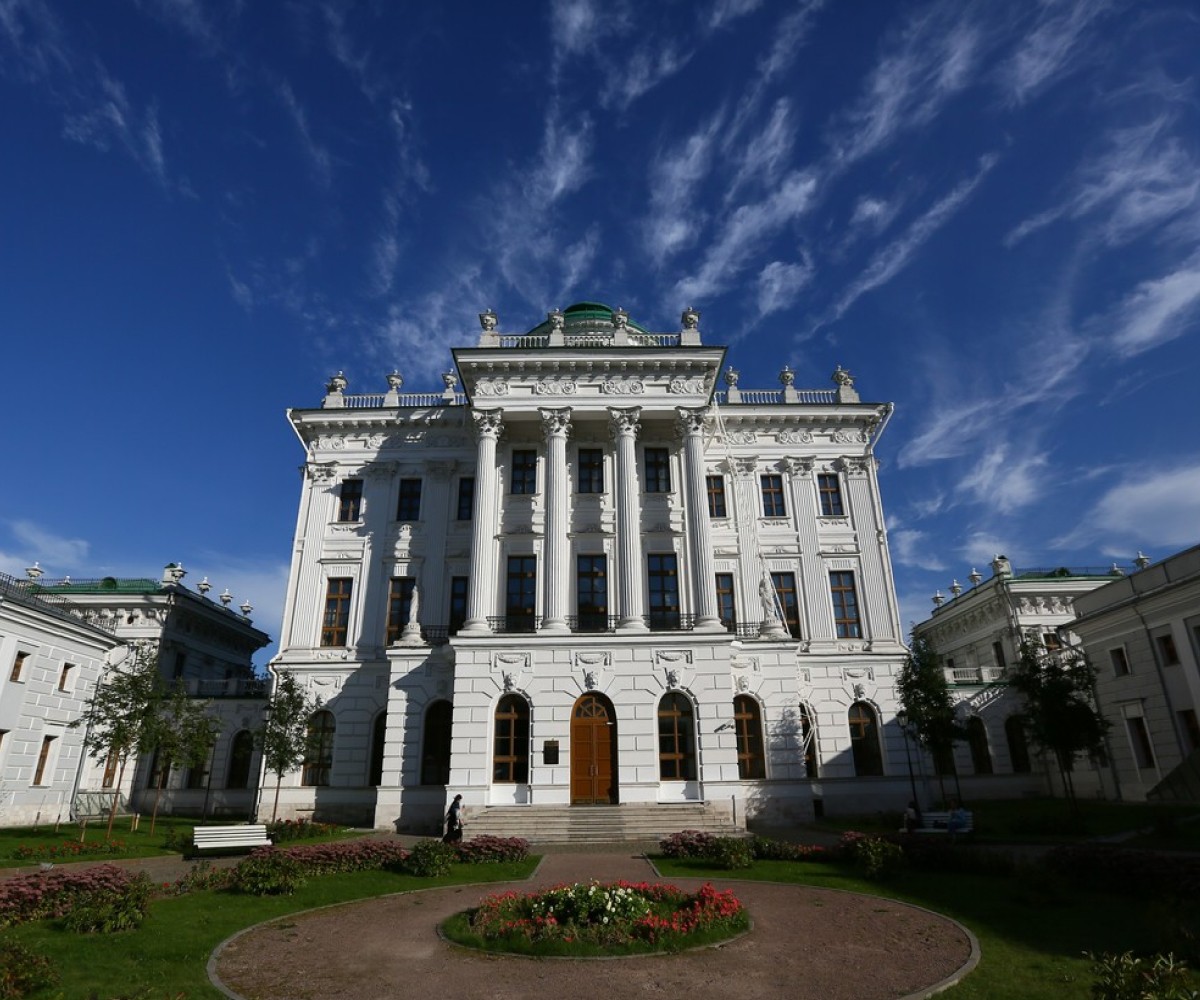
[165, 959]
[1032, 928]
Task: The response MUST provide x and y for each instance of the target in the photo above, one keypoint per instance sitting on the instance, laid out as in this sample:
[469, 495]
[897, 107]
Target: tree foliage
[284, 735]
[184, 735]
[925, 699]
[1060, 713]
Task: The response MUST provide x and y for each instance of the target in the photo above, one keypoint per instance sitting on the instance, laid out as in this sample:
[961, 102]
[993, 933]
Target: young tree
[925, 699]
[120, 721]
[1060, 707]
[284, 735]
[184, 735]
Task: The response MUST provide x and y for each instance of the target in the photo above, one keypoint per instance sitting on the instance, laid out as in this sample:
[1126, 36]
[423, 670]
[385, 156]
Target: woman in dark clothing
[454, 821]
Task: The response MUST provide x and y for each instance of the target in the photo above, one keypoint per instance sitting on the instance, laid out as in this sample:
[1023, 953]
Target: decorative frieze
[623, 387]
[492, 387]
[692, 386]
[555, 387]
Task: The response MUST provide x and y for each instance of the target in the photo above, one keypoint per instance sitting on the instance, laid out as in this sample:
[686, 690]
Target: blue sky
[988, 212]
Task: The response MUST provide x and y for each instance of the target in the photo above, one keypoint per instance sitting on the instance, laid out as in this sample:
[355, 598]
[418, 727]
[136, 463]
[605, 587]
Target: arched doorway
[593, 752]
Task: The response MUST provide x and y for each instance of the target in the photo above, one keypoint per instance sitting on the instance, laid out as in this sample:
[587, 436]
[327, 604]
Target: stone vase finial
[487, 320]
[395, 381]
[690, 319]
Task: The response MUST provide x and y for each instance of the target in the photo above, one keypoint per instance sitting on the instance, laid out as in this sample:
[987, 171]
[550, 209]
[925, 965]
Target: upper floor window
[998, 655]
[592, 593]
[520, 601]
[1120, 662]
[400, 595]
[1166, 649]
[772, 496]
[663, 587]
[458, 602]
[337, 611]
[845, 605]
[785, 590]
[1051, 641]
[524, 471]
[591, 470]
[18, 667]
[408, 508]
[829, 488]
[466, 498]
[658, 470]
[350, 497]
[39, 775]
[716, 496]
[726, 606]
[65, 678]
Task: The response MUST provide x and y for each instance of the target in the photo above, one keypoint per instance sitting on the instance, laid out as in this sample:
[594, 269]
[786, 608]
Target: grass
[1032, 928]
[166, 957]
[171, 835]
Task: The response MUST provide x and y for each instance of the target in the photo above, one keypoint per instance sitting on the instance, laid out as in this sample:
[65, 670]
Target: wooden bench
[939, 823]
[229, 838]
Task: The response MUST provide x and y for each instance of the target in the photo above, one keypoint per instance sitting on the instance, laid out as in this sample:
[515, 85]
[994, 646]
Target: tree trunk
[162, 780]
[112, 810]
[275, 808]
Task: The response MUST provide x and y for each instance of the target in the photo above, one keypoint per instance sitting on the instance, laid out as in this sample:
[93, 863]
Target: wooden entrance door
[593, 752]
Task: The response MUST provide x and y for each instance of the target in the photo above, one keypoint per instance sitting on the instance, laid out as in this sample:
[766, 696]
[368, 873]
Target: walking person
[454, 821]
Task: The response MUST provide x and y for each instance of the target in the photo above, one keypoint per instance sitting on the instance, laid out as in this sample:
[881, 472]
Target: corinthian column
[624, 425]
[481, 599]
[557, 582]
[691, 426]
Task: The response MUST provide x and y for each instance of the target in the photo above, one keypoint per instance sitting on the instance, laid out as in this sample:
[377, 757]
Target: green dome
[586, 316]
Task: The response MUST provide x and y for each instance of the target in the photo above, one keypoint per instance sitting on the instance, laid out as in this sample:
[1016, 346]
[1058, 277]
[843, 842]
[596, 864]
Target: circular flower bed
[595, 918]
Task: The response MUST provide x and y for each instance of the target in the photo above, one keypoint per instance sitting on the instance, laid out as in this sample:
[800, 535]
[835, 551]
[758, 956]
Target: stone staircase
[633, 822]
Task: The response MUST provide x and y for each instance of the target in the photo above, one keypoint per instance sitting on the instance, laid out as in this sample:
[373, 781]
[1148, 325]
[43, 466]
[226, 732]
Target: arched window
[864, 740]
[981, 756]
[435, 745]
[318, 757]
[510, 754]
[748, 720]
[241, 750]
[1018, 745]
[808, 741]
[378, 735]
[676, 739]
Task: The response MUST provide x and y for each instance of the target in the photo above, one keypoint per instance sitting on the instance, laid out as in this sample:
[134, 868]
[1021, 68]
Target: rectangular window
[658, 470]
[524, 472]
[785, 590]
[845, 606]
[350, 500]
[521, 594]
[458, 602]
[998, 655]
[466, 498]
[337, 611]
[772, 496]
[592, 593]
[180, 664]
[1191, 728]
[663, 579]
[1139, 739]
[400, 595]
[1167, 650]
[591, 470]
[1120, 662]
[829, 488]
[39, 775]
[409, 506]
[110, 771]
[1051, 641]
[716, 496]
[18, 667]
[726, 607]
[65, 677]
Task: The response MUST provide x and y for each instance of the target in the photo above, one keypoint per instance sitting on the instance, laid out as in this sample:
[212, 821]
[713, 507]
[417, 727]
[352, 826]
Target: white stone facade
[580, 533]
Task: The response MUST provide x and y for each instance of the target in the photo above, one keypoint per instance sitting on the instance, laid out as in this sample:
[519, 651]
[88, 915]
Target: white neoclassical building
[582, 576]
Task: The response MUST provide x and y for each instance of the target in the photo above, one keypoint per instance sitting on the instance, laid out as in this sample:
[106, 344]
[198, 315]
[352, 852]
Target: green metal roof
[105, 585]
[586, 314]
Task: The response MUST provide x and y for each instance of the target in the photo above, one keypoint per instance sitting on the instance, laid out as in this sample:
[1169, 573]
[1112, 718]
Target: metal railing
[592, 623]
[761, 397]
[377, 400]
[505, 624]
[36, 595]
[221, 687]
[669, 621]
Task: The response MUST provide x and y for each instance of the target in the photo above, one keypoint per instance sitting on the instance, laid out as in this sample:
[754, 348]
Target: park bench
[939, 823]
[229, 838]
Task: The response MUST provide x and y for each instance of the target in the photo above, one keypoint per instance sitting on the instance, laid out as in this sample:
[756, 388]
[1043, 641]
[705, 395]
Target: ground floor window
[676, 739]
[808, 741]
[747, 719]
[241, 750]
[1018, 745]
[378, 738]
[864, 740]
[318, 756]
[435, 744]
[510, 757]
[981, 756]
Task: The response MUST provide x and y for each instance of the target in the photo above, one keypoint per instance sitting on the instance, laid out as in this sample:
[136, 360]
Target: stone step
[597, 824]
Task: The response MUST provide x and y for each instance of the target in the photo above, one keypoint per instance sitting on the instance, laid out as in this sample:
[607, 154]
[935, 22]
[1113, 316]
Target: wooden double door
[593, 752]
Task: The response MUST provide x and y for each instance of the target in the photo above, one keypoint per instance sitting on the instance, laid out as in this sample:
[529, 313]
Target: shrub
[299, 829]
[731, 852]
[366, 854]
[1121, 870]
[875, 857]
[55, 893]
[201, 876]
[120, 909]
[687, 844]
[765, 849]
[68, 850]
[268, 872]
[1125, 977]
[939, 854]
[430, 859]
[485, 850]
[23, 971]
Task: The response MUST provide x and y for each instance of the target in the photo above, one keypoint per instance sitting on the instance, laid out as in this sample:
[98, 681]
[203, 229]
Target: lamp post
[902, 720]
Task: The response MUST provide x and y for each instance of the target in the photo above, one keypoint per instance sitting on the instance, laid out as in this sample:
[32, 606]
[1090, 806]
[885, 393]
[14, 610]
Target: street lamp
[902, 720]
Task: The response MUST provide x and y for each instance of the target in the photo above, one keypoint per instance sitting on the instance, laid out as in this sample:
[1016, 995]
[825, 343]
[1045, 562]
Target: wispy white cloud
[1156, 311]
[1005, 480]
[1052, 47]
[980, 547]
[780, 284]
[767, 154]
[724, 12]
[873, 213]
[745, 233]
[892, 259]
[188, 16]
[933, 58]
[915, 548]
[30, 542]
[409, 174]
[318, 155]
[648, 65]
[676, 213]
[113, 120]
[34, 41]
[578, 26]
[1151, 507]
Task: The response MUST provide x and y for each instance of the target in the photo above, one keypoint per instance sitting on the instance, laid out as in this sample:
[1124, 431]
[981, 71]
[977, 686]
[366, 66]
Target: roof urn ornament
[842, 377]
[1001, 566]
[226, 597]
[34, 572]
[556, 318]
[1116, 570]
[955, 588]
[337, 383]
[246, 608]
[787, 377]
[620, 318]
[975, 577]
[204, 586]
[1141, 562]
[690, 319]
[450, 380]
[938, 598]
[731, 377]
[395, 381]
[487, 320]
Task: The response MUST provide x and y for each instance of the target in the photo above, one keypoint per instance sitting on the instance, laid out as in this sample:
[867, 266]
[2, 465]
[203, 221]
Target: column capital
[691, 420]
[797, 466]
[624, 422]
[488, 423]
[556, 423]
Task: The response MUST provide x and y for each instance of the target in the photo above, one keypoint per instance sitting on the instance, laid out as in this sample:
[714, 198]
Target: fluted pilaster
[624, 424]
[481, 600]
[691, 427]
[556, 573]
